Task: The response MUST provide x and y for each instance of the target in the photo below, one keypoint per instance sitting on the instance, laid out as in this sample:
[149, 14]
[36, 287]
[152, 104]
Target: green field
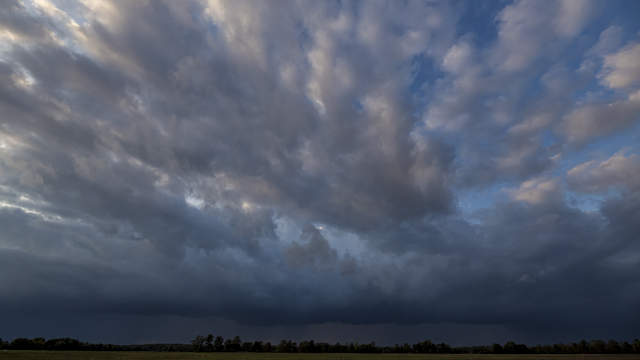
[105, 355]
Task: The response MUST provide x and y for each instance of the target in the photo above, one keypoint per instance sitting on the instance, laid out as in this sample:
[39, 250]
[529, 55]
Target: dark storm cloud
[271, 167]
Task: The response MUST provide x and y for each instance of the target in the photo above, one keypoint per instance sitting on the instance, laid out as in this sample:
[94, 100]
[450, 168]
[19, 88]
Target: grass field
[77, 355]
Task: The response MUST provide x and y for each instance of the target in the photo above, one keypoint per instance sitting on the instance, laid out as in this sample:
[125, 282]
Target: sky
[461, 171]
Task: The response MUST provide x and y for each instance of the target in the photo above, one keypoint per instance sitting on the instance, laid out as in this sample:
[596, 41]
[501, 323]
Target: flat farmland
[130, 355]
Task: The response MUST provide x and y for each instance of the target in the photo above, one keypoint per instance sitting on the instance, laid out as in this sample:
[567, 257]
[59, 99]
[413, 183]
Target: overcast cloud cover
[462, 171]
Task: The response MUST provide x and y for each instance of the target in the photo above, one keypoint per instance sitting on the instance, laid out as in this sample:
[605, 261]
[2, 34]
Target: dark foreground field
[106, 355]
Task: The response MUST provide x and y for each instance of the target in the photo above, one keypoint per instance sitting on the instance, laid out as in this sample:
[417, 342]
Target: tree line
[40, 343]
[210, 343]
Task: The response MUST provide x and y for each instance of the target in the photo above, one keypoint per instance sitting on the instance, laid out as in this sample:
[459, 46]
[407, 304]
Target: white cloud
[536, 191]
[620, 170]
[194, 201]
[609, 40]
[528, 26]
[530, 125]
[572, 17]
[458, 57]
[622, 69]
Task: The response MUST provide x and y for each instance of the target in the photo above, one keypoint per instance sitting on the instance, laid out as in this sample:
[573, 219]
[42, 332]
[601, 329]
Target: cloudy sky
[462, 171]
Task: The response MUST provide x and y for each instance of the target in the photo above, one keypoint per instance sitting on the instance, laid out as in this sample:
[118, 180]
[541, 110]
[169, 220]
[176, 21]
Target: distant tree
[209, 342]
[287, 346]
[38, 343]
[198, 343]
[509, 347]
[237, 343]
[443, 348]
[306, 346]
[282, 346]
[368, 348]
[233, 345]
[512, 348]
[21, 344]
[612, 347]
[597, 347]
[480, 349]
[63, 344]
[219, 343]
[557, 349]
[257, 346]
[522, 349]
[583, 346]
[323, 347]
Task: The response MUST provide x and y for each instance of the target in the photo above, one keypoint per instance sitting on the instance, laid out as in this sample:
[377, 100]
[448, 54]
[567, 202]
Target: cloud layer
[321, 166]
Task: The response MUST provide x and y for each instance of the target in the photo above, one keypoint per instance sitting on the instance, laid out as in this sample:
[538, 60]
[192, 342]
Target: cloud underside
[309, 164]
